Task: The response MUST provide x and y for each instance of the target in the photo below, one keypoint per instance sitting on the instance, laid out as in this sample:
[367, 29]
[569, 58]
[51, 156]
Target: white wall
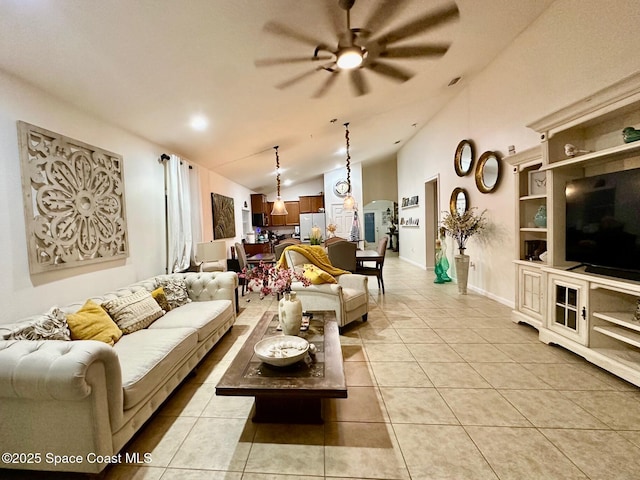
[573, 49]
[22, 294]
[211, 182]
[293, 192]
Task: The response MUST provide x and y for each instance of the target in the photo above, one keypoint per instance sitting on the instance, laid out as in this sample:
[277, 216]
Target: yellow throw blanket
[316, 255]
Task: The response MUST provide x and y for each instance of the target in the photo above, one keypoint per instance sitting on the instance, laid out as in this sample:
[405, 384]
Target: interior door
[370, 227]
[342, 219]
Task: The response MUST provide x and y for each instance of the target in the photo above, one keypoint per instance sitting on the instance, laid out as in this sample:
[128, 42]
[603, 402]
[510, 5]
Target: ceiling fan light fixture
[350, 58]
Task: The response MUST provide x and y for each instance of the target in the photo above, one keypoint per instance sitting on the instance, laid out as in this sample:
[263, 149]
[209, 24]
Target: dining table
[261, 257]
[368, 256]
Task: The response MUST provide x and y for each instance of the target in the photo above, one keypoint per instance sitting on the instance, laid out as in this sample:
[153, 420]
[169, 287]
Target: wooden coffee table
[291, 394]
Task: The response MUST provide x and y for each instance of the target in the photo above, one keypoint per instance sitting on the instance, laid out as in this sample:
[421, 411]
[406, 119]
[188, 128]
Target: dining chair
[279, 248]
[379, 263]
[242, 263]
[343, 255]
[331, 240]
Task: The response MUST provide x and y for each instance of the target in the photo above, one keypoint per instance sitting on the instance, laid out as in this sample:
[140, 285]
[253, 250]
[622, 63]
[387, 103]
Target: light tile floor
[441, 386]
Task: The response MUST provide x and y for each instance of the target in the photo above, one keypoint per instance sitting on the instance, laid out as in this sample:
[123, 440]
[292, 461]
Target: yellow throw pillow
[159, 296]
[316, 275]
[92, 322]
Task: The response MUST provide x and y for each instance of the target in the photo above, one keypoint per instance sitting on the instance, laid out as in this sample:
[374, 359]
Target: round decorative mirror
[459, 202]
[463, 160]
[488, 172]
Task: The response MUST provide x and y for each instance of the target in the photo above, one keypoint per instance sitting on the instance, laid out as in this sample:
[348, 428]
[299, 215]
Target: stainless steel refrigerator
[310, 220]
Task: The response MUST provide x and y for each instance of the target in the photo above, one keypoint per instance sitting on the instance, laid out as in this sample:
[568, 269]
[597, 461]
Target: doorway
[431, 216]
[370, 227]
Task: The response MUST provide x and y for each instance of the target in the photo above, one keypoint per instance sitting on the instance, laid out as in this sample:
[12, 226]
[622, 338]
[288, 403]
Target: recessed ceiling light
[454, 81]
[287, 182]
[341, 151]
[397, 142]
[199, 122]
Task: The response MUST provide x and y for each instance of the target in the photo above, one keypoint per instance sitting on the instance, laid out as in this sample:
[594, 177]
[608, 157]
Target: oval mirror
[463, 160]
[488, 172]
[459, 202]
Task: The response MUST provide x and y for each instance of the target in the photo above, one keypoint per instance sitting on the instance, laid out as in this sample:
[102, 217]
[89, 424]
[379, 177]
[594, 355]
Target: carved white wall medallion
[73, 201]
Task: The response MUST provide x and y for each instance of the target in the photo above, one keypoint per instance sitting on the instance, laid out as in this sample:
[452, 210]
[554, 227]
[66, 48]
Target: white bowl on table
[281, 350]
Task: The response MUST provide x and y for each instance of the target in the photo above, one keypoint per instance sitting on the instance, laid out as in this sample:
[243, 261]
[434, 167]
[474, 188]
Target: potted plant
[462, 227]
[315, 236]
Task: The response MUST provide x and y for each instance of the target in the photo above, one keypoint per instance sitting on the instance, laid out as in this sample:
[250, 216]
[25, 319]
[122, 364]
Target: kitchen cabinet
[311, 203]
[293, 213]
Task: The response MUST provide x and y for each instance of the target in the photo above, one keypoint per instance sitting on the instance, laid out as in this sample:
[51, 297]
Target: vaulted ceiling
[149, 66]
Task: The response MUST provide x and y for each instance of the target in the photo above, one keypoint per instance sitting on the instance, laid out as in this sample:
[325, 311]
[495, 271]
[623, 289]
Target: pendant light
[349, 203]
[278, 205]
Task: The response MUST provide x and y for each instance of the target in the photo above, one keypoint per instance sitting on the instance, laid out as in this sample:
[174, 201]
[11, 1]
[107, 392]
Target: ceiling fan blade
[390, 71]
[284, 31]
[415, 51]
[267, 62]
[421, 24]
[296, 79]
[359, 82]
[385, 11]
[333, 76]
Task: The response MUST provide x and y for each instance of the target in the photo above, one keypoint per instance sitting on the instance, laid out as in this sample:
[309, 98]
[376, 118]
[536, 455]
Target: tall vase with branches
[461, 227]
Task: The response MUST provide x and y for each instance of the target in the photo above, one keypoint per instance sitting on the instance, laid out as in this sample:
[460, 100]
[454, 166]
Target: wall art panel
[224, 221]
[74, 202]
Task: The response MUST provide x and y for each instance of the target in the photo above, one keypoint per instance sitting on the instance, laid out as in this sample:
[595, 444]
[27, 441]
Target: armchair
[349, 297]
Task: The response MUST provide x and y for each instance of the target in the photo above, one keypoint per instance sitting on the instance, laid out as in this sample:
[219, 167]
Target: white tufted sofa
[84, 398]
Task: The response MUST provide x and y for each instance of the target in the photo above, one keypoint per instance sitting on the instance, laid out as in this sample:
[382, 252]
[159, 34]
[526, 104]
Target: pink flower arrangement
[270, 279]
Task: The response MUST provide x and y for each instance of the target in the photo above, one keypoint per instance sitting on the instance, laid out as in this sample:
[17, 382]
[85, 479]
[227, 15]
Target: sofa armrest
[56, 369]
[355, 281]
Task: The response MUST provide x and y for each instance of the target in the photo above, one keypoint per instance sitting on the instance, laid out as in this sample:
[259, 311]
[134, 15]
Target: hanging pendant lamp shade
[349, 202]
[278, 206]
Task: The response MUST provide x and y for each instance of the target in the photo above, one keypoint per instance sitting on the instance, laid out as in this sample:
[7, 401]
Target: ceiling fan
[361, 49]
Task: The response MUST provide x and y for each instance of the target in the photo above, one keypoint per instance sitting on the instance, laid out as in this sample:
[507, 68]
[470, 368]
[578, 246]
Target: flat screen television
[603, 223]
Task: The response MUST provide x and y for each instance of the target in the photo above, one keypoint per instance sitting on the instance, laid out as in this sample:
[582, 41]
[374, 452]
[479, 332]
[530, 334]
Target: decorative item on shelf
[315, 235]
[540, 218]
[533, 249]
[571, 150]
[537, 182]
[636, 314]
[462, 227]
[349, 203]
[279, 207]
[270, 279]
[630, 134]
[331, 228]
[442, 264]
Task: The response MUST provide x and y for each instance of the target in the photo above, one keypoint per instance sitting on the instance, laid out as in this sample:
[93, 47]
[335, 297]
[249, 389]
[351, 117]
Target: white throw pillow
[133, 312]
[50, 326]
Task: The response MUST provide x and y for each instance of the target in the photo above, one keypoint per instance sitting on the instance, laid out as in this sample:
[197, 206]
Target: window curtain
[179, 215]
